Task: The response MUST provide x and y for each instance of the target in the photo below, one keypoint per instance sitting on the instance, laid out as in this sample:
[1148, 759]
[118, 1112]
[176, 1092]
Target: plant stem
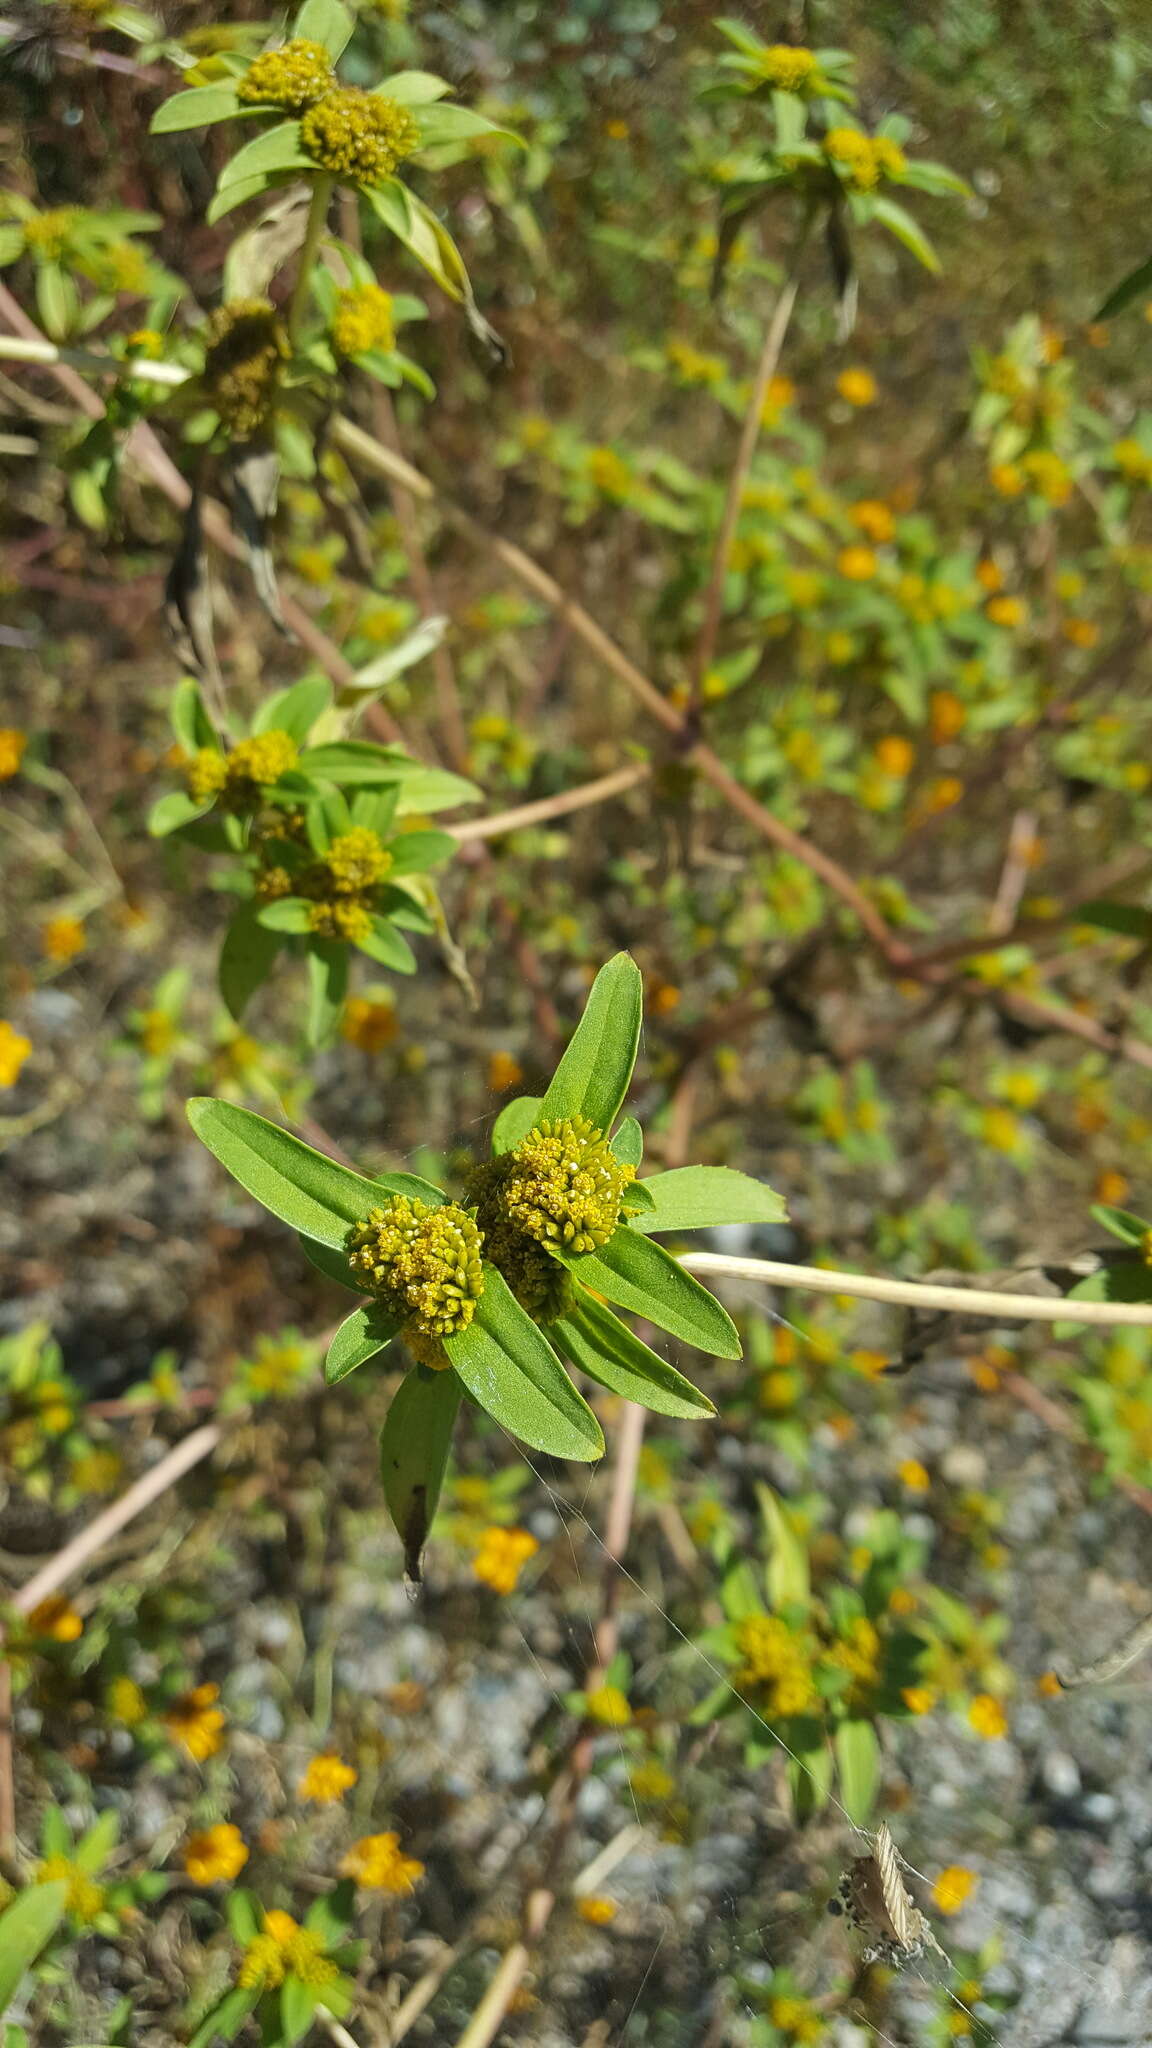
[557, 806]
[746, 448]
[971, 1301]
[313, 236]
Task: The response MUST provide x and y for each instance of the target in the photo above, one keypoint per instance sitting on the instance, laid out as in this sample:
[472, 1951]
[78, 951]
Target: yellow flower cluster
[326, 1779]
[340, 920]
[858, 1653]
[857, 564]
[563, 1184]
[376, 1863]
[284, 1949]
[775, 1663]
[953, 1887]
[798, 2018]
[1050, 477]
[987, 1717]
[356, 860]
[62, 938]
[857, 387]
[259, 761]
[598, 1912]
[607, 1705]
[423, 1262]
[501, 1557]
[48, 234]
[14, 1050]
[650, 1780]
[12, 745]
[866, 158]
[692, 366]
[245, 343]
[609, 473]
[215, 1855]
[364, 320]
[84, 1898]
[293, 77]
[360, 136]
[57, 1619]
[787, 66]
[874, 519]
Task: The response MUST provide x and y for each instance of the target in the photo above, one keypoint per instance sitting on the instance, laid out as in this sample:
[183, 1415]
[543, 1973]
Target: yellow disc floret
[293, 77]
[356, 860]
[264, 758]
[358, 136]
[205, 774]
[423, 1262]
[364, 320]
[787, 67]
[775, 1660]
[244, 345]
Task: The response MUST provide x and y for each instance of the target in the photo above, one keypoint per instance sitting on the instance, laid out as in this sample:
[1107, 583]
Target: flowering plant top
[506, 1294]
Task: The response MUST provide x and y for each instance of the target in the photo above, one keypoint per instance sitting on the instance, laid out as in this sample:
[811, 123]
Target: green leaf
[276, 149]
[414, 853]
[57, 301]
[360, 1337]
[443, 124]
[514, 1122]
[788, 1577]
[858, 1759]
[424, 790]
[703, 1197]
[1131, 287]
[414, 1446]
[597, 1343]
[226, 2019]
[628, 1142]
[641, 1276]
[198, 108]
[384, 944]
[593, 1076]
[296, 710]
[226, 200]
[314, 1194]
[286, 914]
[901, 224]
[1121, 1280]
[96, 1845]
[414, 88]
[1128, 919]
[247, 957]
[327, 987]
[1128, 1228]
[511, 1371]
[26, 1927]
[334, 1266]
[189, 715]
[170, 812]
[353, 764]
[298, 2002]
[325, 21]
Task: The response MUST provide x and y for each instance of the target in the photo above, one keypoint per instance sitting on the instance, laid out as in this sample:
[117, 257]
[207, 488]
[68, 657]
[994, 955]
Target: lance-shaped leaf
[597, 1343]
[414, 88]
[858, 1760]
[198, 108]
[277, 149]
[355, 764]
[170, 812]
[334, 1266]
[592, 1078]
[414, 1446]
[641, 1276]
[26, 1927]
[313, 1193]
[424, 790]
[384, 944]
[327, 987]
[511, 1371]
[291, 914]
[514, 1122]
[360, 1336]
[189, 715]
[415, 852]
[325, 21]
[628, 1143]
[1122, 1223]
[247, 957]
[701, 1197]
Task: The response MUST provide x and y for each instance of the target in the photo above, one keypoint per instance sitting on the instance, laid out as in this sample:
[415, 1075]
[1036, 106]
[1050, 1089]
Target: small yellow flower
[607, 1705]
[358, 136]
[501, 1557]
[941, 794]
[650, 1780]
[504, 1072]
[787, 66]
[326, 1779]
[217, 1854]
[858, 564]
[96, 1471]
[874, 518]
[54, 1617]
[1081, 632]
[126, 1702]
[377, 1864]
[798, 2018]
[369, 1026]
[1006, 611]
[62, 938]
[596, 1911]
[953, 1887]
[12, 745]
[196, 1723]
[1048, 1686]
[364, 320]
[292, 77]
[857, 387]
[987, 1717]
[918, 1699]
[914, 1476]
[14, 1050]
[84, 1898]
[1111, 1187]
[895, 755]
[1007, 479]
[1001, 1130]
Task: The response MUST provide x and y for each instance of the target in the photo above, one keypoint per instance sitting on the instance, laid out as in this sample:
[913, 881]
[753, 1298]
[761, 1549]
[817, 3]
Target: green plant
[487, 1295]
